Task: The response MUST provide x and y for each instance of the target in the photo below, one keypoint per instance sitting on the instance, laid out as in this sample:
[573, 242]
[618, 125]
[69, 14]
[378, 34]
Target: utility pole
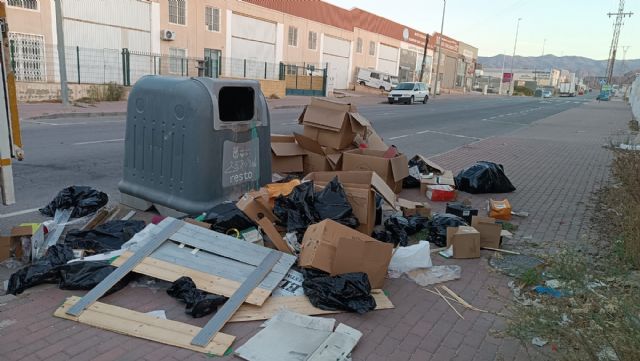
[514, 56]
[504, 58]
[64, 93]
[436, 90]
[424, 57]
[620, 15]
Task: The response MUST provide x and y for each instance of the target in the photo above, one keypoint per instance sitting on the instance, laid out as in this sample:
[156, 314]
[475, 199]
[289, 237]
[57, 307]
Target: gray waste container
[192, 143]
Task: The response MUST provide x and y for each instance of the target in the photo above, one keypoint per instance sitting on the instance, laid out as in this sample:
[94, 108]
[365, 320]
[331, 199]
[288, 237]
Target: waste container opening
[236, 104]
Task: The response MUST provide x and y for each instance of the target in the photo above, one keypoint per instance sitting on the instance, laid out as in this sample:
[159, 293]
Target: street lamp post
[513, 56]
[436, 89]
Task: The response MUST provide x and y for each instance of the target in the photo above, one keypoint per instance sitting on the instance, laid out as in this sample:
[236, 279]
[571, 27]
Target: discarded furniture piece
[244, 271]
[192, 143]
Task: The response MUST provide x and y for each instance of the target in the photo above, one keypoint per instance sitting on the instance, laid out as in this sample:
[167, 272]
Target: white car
[409, 93]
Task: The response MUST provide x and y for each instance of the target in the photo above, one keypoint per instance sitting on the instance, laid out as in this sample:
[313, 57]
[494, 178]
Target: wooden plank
[137, 324]
[274, 236]
[96, 219]
[299, 304]
[499, 250]
[204, 281]
[227, 310]
[206, 262]
[167, 227]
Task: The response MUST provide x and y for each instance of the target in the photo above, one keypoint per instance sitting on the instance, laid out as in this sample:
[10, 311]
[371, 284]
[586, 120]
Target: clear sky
[571, 27]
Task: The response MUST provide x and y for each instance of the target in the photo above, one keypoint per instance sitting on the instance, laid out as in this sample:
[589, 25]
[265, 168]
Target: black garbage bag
[295, 211]
[106, 237]
[349, 292]
[85, 275]
[438, 227]
[484, 177]
[416, 224]
[422, 166]
[198, 303]
[396, 228]
[84, 200]
[44, 270]
[332, 203]
[226, 216]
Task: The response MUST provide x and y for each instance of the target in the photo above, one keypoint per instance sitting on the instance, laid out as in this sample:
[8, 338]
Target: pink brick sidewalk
[556, 164]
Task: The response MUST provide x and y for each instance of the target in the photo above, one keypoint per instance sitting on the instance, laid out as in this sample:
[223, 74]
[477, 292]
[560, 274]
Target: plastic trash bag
[484, 177]
[405, 259]
[397, 229]
[44, 270]
[332, 203]
[84, 200]
[85, 275]
[436, 274]
[226, 216]
[106, 237]
[438, 227]
[198, 303]
[349, 292]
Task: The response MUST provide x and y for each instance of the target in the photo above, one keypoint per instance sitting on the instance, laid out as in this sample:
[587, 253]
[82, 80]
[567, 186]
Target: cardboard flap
[375, 142]
[287, 149]
[433, 166]
[334, 160]
[383, 189]
[360, 255]
[308, 144]
[282, 138]
[405, 203]
[399, 167]
[301, 116]
[323, 118]
[359, 124]
[20, 231]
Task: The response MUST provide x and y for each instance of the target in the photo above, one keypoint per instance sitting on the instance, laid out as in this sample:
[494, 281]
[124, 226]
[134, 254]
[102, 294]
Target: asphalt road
[89, 151]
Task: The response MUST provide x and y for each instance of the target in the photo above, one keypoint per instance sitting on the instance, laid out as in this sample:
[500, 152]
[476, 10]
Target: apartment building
[233, 38]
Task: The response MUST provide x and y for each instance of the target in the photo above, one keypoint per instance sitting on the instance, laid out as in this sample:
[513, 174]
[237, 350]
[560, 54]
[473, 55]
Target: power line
[620, 15]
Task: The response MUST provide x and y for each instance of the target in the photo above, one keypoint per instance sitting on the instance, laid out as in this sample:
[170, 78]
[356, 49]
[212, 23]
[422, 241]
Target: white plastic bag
[409, 258]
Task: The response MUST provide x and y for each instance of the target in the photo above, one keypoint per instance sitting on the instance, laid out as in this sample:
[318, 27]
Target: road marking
[577, 102]
[99, 141]
[17, 213]
[449, 134]
[484, 119]
[398, 137]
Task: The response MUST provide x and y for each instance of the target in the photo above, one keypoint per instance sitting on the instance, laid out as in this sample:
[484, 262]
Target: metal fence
[37, 62]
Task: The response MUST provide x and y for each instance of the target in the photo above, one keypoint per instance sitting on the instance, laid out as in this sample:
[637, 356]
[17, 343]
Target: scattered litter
[548, 291]
[514, 265]
[500, 250]
[291, 285]
[436, 274]
[438, 227]
[198, 303]
[83, 200]
[500, 209]
[539, 341]
[484, 177]
[441, 193]
[405, 259]
[520, 214]
[629, 146]
[6, 323]
[57, 227]
[349, 292]
[565, 320]
[447, 253]
[160, 314]
[226, 217]
[281, 188]
[607, 354]
[316, 323]
[449, 303]
[42, 271]
[553, 283]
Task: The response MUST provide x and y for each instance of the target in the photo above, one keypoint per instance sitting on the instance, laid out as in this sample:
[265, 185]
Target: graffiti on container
[239, 162]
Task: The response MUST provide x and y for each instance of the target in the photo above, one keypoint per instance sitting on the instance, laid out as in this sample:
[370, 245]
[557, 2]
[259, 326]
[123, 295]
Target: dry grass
[624, 199]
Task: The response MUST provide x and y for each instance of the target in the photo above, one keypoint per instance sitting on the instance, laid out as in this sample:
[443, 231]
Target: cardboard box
[255, 205]
[318, 158]
[445, 178]
[392, 170]
[12, 244]
[360, 188]
[411, 208]
[462, 210]
[490, 231]
[465, 241]
[286, 155]
[441, 193]
[431, 166]
[331, 123]
[337, 249]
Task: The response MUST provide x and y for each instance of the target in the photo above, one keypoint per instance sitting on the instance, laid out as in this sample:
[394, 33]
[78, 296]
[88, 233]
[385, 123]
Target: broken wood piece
[138, 324]
[460, 300]
[449, 303]
[96, 219]
[275, 237]
[128, 216]
[499, 250]
[298, 304]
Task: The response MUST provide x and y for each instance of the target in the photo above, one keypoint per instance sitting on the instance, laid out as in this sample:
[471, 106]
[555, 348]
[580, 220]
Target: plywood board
[299, 304]
[137, 324]
[170, 272]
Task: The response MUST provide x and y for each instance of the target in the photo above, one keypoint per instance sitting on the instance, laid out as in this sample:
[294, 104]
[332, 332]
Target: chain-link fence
[33, 61]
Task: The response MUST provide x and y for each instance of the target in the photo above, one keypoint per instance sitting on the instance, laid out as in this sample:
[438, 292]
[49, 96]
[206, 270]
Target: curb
[76, 115]
[288, 106]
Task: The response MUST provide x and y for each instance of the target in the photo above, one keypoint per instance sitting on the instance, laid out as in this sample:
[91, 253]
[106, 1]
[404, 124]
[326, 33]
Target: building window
[212, 18]
[293, 36]
[27, 56]
[372, 48]
[177, 12]
[313, 40]
[292, 69]
[27, 4]
[359, 45]
[177, 57]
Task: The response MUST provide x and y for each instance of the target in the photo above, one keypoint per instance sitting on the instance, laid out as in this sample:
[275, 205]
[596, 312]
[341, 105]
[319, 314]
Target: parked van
[376, 79]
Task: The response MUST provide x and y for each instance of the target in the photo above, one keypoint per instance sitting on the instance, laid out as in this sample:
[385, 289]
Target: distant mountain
[578, 64]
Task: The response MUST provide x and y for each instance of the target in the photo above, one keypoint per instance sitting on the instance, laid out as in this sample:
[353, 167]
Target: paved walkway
[556, 164]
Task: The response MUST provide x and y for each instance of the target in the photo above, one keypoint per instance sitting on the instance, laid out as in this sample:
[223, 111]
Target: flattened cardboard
[332, 124]
[337, 249]
[360, 188]
[431, 165]
[256, 205]
[490, 231]
[286, 154]
[411, 208]
[465, 241]
[392, 170]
